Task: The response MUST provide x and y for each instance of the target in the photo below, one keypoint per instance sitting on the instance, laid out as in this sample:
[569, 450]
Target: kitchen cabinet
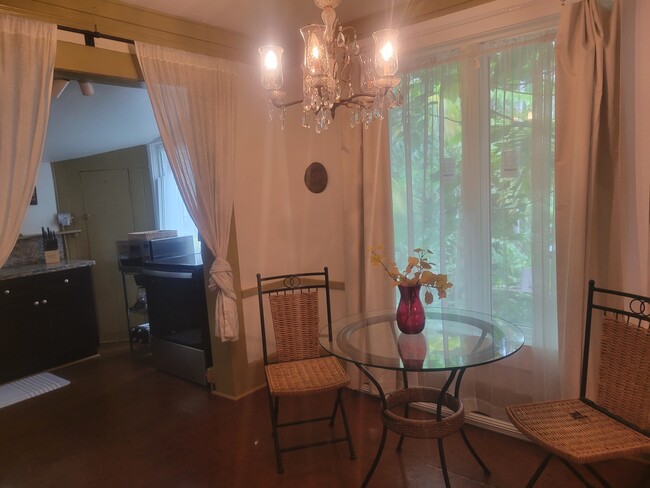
[46, 320]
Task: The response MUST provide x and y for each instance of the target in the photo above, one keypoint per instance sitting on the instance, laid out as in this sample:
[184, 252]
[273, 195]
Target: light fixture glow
[330, 50]
[387, 51]
[385, 56]
[271, 69]
[271, 60]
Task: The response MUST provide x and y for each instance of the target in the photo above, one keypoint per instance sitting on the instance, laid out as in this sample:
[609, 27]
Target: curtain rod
[90, 36]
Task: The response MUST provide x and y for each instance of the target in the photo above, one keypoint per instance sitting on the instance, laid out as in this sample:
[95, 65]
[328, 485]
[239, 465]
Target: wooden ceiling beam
[138, 24]
[134, 23]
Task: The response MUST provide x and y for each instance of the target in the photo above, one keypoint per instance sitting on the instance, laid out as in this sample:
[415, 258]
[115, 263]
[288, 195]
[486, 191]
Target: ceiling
[116, 117]
[267, 21]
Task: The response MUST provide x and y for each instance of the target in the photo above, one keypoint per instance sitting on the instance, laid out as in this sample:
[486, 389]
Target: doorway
[108, 212]
[111, 195]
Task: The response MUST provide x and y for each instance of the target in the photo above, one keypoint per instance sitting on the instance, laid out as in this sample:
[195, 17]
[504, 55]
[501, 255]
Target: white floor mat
[29, 387]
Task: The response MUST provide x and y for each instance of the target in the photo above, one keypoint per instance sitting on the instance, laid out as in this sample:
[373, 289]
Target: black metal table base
[440, 428]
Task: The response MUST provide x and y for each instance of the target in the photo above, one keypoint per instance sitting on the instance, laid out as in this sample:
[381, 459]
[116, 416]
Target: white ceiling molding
[490, 18]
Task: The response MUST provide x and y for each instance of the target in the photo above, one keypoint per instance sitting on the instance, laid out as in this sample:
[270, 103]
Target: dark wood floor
[120, 423]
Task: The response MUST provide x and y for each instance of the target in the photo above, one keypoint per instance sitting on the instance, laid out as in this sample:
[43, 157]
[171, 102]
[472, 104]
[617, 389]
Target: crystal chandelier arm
[360, 100]
[330, 52]
[281, 104]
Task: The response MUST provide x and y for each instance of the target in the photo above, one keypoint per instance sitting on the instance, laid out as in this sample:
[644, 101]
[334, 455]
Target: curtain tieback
[221, 278]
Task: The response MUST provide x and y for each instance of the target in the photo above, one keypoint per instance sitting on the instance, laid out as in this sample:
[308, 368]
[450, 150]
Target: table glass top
[451, 339]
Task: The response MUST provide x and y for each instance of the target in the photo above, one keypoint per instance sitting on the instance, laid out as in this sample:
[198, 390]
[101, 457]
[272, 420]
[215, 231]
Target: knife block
[52, 257]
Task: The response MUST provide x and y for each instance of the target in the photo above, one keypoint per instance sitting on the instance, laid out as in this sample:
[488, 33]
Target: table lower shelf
[427, 428]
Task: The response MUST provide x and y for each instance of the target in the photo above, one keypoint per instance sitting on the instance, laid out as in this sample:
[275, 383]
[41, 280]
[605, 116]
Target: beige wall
[281, 226]
[44, 213]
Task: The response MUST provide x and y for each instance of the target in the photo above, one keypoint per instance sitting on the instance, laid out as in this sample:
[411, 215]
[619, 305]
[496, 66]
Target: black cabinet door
[22, 343]
[45, 321]
[71, 325]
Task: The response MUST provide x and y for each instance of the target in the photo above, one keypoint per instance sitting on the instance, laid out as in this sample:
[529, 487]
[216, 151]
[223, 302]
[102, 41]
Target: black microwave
[133, 253]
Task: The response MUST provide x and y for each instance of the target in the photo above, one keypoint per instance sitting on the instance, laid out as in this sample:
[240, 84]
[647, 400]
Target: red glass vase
[412, 349]
[410, 311]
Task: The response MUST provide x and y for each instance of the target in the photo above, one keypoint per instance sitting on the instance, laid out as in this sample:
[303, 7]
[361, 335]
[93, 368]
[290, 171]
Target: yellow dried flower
[417, 271]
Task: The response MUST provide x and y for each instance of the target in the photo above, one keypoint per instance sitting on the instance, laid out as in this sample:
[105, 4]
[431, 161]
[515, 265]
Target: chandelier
[332, 56]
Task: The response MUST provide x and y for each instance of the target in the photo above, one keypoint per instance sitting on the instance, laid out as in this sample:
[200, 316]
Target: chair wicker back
[295, 324]
[624, 373]
[295, 302]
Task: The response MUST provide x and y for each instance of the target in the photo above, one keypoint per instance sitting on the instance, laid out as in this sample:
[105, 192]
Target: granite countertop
[35, 269]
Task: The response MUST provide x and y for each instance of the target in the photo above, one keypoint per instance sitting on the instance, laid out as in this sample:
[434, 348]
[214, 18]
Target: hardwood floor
[120, 423]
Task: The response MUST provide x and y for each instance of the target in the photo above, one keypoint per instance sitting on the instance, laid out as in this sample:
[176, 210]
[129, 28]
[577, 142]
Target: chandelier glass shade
[336, 73]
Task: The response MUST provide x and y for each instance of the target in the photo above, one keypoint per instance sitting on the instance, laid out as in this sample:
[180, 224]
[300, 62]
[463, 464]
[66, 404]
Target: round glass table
[452, 341]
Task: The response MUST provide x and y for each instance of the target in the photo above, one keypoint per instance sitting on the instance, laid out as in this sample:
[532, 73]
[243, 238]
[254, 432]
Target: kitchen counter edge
[41, 268]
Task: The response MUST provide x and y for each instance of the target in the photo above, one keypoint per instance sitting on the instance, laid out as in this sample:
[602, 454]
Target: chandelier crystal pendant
[330, 51]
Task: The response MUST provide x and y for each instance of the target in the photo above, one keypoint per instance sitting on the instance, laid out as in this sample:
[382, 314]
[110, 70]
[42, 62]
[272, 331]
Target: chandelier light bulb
[385, 55]
[271, 61]
[387, 51]
[315, 61]
[271, 57]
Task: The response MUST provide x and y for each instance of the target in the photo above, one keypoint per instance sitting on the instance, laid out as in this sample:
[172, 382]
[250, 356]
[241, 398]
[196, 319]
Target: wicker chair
[616, 424]
[299, 369]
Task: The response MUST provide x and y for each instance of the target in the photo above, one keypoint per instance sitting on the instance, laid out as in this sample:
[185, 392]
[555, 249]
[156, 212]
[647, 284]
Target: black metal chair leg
[336, 407]
[345, 424]
[273, 408]
[539, 471]
[376, 461]
[598, 476]
[443, 463]
[575, 472]
[486, 471]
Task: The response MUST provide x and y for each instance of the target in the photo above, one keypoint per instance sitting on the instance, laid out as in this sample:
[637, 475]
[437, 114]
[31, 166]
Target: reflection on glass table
[452, 341]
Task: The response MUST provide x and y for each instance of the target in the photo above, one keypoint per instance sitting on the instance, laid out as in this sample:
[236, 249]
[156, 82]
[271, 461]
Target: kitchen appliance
[178, 316]
[133, 253]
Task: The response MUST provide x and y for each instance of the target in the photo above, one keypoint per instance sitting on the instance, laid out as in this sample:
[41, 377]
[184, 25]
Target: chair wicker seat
[297, 378]
[612, 418]
[576, 431]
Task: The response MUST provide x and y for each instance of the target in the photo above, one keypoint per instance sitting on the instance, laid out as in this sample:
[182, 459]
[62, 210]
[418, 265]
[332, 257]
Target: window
[171, 212]
[472, 175]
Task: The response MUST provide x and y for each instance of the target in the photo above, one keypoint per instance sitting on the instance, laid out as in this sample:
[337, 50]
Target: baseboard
[236, 397]
[479, 420]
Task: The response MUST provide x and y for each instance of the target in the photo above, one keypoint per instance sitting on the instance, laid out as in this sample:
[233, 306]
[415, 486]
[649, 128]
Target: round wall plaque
[316, 177]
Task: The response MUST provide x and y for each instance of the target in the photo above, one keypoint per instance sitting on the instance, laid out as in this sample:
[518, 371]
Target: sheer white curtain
[194, 102]
[27, 51]
[472, 179]
[368, 223]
